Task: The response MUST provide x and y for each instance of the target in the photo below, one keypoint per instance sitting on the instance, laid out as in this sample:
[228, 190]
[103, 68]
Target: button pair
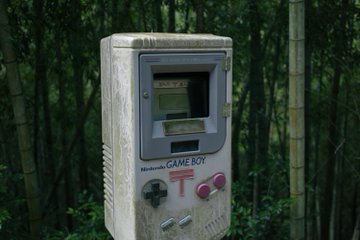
[203, 189]
[171, 222]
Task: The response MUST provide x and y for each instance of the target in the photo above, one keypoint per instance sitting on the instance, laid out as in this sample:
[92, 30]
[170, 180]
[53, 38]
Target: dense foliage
[57, 45]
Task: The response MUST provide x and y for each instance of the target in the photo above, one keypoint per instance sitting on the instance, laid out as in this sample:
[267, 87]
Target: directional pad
[154, 191]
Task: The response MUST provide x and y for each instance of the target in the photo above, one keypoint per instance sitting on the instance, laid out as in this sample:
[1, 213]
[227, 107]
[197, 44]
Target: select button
[167, 224]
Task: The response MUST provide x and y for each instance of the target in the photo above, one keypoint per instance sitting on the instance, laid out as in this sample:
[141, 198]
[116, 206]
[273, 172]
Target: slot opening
[185, 146]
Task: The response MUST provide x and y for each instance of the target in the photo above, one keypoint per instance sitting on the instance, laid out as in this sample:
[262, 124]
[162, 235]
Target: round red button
[203, 190]
[219, 180]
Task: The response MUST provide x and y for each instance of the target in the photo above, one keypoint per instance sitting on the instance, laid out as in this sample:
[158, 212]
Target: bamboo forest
[51, 159]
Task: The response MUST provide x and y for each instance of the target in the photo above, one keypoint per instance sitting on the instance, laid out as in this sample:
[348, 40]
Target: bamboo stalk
[18, 102]
[296, 117]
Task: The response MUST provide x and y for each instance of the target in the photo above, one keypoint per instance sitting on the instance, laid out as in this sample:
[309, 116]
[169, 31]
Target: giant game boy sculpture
[166, 131]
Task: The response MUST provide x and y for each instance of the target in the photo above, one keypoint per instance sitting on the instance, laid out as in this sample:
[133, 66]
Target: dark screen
[180, 95]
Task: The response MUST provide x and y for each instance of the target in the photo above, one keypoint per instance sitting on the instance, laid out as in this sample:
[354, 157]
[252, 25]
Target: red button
[203, 190]
[219, 180]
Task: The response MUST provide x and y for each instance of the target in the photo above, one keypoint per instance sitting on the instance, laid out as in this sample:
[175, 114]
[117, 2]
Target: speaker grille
[108, 176]
[216, 228]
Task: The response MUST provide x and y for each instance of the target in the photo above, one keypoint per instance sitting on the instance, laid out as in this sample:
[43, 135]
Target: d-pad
[155, 194]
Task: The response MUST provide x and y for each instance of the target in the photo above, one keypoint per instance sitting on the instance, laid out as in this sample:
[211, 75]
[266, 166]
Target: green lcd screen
[180, 95]
[173, 102]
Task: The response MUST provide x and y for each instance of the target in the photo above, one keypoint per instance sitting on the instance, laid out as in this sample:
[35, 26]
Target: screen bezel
[154, 143]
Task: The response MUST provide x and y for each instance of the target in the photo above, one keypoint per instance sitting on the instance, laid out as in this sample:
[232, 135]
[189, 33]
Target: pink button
[203, 190]
[219, 180]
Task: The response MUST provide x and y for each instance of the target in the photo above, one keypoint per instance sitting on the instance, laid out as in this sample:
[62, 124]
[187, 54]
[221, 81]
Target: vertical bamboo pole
[296, 113]
[19, 108]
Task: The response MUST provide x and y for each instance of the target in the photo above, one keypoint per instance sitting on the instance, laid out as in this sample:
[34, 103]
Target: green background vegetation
[57, 50]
